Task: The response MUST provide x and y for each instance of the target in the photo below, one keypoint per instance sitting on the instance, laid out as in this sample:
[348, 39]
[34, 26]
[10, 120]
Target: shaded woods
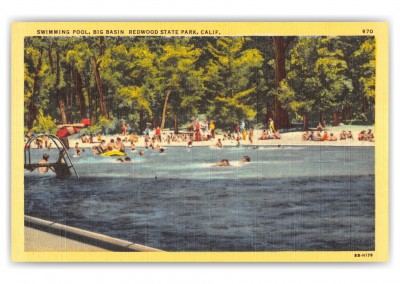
[167, 81]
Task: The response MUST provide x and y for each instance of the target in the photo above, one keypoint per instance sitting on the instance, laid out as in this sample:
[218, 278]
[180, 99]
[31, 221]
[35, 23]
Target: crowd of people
[366, 135]
[319, 135]
[323, 135]
[154, 139]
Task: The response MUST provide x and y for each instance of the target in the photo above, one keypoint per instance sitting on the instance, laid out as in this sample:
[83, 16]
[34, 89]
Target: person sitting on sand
[316, 136]
[343, 135]
[276, 135]
[306, 136]
[43, 161]
[361, 135]
[84, 139]
[223, 163]
[319, 126]
[332, 137]
[219, 144]
[350, 135]
[245, 160]
[325, 136]
[369, 136]
[99, 137]
[264, 135]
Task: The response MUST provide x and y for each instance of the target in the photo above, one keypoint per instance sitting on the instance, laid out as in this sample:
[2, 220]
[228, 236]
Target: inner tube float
[112, 153]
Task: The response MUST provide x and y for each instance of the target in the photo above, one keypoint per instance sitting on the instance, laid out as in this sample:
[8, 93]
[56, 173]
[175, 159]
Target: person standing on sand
[237, 130]
[251, 133]
[123, 128]
[244, 134]
[242, 126]
[158, 134]
[271, 125]
[212, 128]
[197, 128]
[332, 137]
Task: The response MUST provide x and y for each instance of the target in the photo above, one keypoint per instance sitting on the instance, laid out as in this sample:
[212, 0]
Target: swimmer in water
[245, 160]
[127, 159]
[219, 144]
[223, 163]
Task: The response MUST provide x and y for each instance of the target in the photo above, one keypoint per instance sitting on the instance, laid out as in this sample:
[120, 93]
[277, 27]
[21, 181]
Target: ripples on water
[299, 198]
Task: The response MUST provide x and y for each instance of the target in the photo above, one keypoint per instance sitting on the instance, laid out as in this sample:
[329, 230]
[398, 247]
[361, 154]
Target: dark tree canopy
[169, 81]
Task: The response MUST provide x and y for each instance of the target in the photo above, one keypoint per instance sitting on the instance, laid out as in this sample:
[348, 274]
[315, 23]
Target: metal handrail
[55, 139]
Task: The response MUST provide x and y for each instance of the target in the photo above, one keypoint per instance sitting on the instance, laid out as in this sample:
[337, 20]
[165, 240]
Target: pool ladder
[62, 167]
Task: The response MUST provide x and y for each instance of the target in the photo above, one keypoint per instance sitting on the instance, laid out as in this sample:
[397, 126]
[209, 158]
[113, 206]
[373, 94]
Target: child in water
[77, 151]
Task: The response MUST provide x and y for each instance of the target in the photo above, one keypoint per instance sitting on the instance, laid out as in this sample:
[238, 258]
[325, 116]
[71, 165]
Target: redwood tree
[281, 44]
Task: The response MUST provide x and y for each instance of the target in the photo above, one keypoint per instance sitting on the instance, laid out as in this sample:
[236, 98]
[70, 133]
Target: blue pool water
[286, 199]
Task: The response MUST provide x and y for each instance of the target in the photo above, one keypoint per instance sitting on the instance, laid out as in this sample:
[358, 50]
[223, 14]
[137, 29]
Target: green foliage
[231, 80]
[321, 78]
[107, 123]
[44, 124]
[366, 54]
[226, 79]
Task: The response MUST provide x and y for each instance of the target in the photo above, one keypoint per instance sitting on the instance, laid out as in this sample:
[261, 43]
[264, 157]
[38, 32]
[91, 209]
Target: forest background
[170, 81]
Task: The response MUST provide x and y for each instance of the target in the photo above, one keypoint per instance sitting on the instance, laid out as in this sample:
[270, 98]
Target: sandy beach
[287, 138]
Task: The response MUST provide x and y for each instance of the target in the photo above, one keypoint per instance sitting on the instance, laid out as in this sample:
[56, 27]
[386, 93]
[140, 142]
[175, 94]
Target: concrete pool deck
[41, 235]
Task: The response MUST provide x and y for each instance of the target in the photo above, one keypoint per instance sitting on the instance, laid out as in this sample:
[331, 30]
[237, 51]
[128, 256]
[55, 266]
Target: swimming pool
[286, 199]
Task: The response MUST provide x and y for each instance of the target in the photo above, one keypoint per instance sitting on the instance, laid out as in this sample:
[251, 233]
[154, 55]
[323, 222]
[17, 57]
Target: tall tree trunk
[99, 85]
[60, 100]
[176, 128]
[79, 93]
[50, 60]
[71, 95]
[322, 118]
[92, 114]
[164, 109]
[336, 117]
[32, 109]
[305, 122]
[141, 124]
[280, 45]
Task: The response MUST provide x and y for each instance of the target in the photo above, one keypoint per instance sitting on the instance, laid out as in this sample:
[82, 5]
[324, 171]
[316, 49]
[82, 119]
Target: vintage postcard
[200, 142]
